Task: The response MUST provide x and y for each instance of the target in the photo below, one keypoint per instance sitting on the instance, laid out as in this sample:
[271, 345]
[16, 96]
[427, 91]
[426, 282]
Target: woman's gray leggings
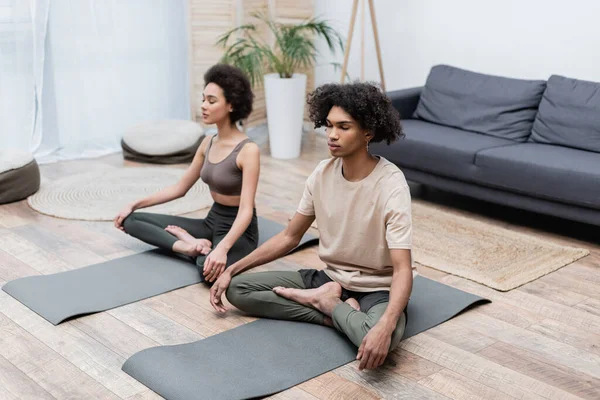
[150, 228]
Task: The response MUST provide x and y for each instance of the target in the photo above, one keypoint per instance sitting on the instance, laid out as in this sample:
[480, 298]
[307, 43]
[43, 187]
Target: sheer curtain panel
[93, 70]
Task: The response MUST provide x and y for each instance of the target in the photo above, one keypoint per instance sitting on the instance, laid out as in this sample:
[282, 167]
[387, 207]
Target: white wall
[516, 38]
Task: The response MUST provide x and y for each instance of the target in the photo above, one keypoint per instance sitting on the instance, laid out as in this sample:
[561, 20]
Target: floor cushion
[19, 176]
[162, 142]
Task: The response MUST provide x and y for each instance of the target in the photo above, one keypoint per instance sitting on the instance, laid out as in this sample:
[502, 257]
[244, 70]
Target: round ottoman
[19, 176]
[162, 142]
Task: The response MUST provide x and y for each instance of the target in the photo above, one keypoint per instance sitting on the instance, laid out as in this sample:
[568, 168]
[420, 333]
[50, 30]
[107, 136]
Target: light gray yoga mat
[268, 356]
[114, 283]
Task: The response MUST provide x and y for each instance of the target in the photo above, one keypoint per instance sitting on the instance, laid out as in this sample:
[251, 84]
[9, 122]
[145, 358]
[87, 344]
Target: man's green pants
[253, 294]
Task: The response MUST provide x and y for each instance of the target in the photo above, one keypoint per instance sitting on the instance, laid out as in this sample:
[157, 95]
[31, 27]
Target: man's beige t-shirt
[359, 222]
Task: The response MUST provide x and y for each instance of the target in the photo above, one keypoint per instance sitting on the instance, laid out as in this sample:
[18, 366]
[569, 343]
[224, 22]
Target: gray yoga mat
[267, 356]
[114, 283]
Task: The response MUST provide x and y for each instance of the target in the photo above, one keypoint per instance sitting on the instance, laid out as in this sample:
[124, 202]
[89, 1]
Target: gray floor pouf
[19, 176]
[162, 142]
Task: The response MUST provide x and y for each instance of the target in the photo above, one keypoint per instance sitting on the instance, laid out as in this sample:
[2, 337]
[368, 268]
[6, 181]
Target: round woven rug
[100, 195]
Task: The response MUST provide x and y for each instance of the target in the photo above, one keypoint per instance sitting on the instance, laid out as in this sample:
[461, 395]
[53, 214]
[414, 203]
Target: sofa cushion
[546, 171]
[435, 148]
[569, 114]
[488, 104]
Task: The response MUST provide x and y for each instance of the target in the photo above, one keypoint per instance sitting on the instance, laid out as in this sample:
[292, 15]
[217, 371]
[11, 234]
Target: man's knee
[234, 292]
[398, 332]
[373, 317]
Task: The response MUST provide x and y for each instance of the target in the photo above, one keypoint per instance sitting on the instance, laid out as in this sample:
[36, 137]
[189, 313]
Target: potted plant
[278, 66]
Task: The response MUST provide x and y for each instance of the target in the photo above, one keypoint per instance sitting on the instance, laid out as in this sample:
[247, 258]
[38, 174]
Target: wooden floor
[536, 342]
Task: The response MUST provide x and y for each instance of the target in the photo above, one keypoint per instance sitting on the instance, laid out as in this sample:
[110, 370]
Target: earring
[367, 145]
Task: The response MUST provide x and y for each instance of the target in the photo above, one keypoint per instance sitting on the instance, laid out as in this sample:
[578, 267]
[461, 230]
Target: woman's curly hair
[236, 88]
[365, 103]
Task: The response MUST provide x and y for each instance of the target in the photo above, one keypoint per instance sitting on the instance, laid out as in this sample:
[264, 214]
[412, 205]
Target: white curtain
[22, 33]
[108, 65]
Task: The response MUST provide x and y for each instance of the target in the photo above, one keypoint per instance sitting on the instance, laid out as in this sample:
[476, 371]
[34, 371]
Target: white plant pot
[285, 113]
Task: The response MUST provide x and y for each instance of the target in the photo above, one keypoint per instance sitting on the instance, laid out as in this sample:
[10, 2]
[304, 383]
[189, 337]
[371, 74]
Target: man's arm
[402, 280]
[375, 346]
[274, 248]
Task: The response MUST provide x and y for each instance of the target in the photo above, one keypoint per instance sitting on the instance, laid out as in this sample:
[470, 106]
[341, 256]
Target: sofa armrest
[405, 100]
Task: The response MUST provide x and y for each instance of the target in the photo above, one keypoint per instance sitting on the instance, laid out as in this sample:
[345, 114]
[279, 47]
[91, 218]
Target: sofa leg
[420, 189]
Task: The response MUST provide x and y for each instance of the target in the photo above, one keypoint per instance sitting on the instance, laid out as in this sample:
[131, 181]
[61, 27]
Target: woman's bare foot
[323, 298]
[353, 303]
[190, 249]
[184, 236]
[180, 233]
[202, 247]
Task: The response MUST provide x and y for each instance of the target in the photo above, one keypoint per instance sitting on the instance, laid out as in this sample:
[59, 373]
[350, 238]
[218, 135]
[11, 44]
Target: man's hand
[217, 290]
[215, 263]
[375, 347]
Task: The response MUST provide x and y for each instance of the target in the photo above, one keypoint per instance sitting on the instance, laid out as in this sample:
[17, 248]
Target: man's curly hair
[236, 88]
[365, 102]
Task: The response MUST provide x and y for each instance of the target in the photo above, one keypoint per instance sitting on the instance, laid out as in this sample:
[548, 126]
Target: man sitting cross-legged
[362, 206]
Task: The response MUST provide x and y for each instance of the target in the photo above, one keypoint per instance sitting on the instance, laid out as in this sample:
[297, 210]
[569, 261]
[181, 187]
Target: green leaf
[293, 49]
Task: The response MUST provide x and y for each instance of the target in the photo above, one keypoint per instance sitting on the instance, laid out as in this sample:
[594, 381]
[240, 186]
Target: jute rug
[497, 257]
[100, 195]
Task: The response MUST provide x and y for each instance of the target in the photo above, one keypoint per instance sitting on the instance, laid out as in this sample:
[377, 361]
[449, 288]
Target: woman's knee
[130, 221]
[135, 218]
[240, 249]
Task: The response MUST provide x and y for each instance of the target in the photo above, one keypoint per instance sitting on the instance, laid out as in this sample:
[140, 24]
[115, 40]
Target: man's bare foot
[323, 298]
[184, 236]
[353, 303]
[190, 249]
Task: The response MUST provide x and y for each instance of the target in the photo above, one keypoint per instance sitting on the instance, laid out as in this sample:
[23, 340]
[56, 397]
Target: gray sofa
[530, 144]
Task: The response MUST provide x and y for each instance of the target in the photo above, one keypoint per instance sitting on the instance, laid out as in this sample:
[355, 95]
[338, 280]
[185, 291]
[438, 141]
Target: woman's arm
[249, 161]
[169, 193]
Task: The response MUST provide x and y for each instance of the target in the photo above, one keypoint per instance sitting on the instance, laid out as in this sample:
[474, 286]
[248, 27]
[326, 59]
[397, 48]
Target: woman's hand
[124, 213]
[215, 263]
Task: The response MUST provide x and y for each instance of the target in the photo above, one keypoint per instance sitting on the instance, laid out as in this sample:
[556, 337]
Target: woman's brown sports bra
[223, 177]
